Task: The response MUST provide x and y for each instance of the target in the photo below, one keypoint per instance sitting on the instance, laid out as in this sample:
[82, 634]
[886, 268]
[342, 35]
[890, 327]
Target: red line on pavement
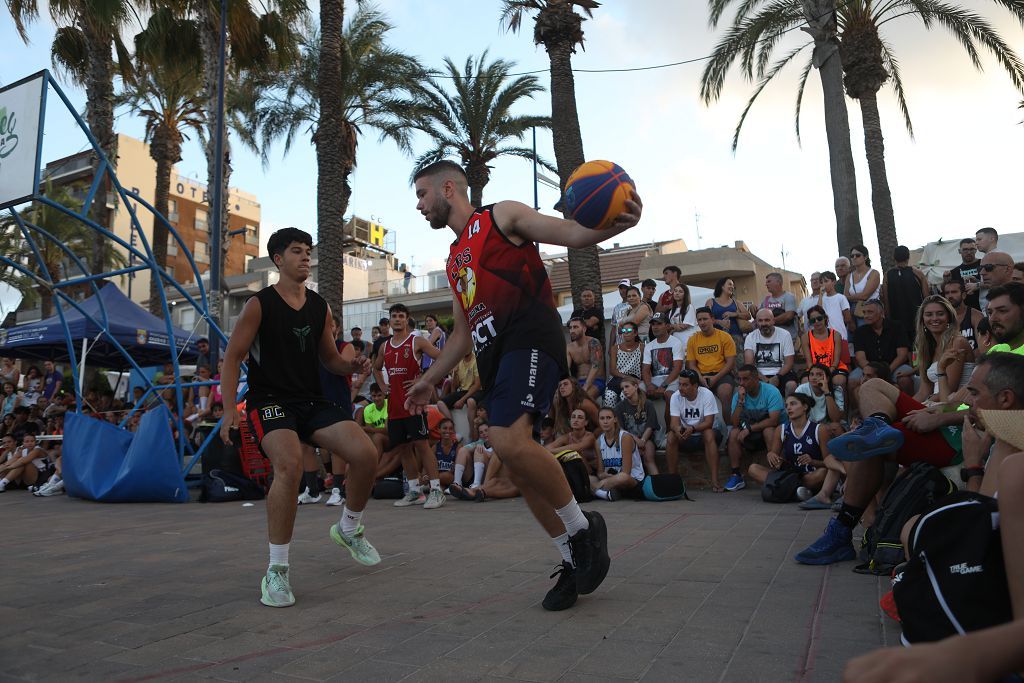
[814, 628]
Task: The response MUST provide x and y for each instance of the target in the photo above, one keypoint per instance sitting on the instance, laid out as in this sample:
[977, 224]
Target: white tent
[938, 257]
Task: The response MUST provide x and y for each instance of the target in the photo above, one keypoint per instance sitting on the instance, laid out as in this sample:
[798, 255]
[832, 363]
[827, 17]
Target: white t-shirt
[834, 306]
[769, 352]
[660, 356]
[819, 413]
[805, 305]
[692, 412]
[689, 318]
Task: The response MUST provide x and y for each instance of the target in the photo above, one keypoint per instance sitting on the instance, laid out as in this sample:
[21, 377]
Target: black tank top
[284, 359]
[967, 330]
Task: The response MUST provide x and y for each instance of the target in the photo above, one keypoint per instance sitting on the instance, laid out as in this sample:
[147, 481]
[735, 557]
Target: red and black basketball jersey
[402, 364]
[284, 359]
[505, 295]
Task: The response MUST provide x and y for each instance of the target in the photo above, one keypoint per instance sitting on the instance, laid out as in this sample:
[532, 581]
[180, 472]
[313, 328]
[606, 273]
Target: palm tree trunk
[332, 187]
[821, 25]
[477, 175]
[165, 157]
[881, 198]
[584, 266]
[99, 114]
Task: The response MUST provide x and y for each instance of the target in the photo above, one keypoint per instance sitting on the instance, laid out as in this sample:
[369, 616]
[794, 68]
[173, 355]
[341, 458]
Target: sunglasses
[627, 329]
[989, 267]
[815, 319]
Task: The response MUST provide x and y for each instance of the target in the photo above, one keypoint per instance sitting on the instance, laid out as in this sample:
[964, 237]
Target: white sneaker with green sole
[277, 592]
[362, 551]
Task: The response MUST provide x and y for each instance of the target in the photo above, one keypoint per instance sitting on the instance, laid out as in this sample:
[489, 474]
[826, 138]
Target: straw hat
[1005, 425]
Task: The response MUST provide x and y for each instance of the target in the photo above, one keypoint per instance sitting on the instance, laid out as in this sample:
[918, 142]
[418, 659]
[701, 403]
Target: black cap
[659, 318]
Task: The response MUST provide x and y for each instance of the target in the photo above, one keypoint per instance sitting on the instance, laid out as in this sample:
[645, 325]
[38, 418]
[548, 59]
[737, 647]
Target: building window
[172, 210]
[172, 246]
[248, 259]
[201, 223]
[252, 234]
[202, 252]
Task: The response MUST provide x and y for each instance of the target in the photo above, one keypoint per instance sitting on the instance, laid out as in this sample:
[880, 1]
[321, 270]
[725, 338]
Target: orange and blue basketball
[596, 193]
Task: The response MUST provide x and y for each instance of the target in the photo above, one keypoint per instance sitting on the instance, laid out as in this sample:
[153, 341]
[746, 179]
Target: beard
[439, 214]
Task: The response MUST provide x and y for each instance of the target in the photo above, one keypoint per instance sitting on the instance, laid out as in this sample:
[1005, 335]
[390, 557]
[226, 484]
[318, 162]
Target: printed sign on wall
[20, 119]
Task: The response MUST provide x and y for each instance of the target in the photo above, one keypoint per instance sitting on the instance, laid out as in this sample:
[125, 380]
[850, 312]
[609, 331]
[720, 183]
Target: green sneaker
[277, 592]
[362, 551]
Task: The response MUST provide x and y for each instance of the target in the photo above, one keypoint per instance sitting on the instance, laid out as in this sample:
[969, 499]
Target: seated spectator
[945, 359]
[27, 465]
[586, 359]
[445, 450]
[476, 452]
[546, 434]
[22, 425]
[579, 438]
[876, 369]
[799, 445]
[591, 312]
[166, 375]
[11, 399]
[497, 483]
[638, 313]
[712, 353]
[33, 386]
[1018, 272]
[729, 315]
[880, 340]
[478, 419]
[898, 428]
[50, 408]
[647, 288]
[568, 397]
[692, 413]
[682, 316]
[1006, 317]
[663, 360]
[373, 418]
[54, 486]
[829, 407]
[465, 385]
[824, 345]
[619, 468]
[8, 372]
[636, 415]
[770, 350]
[967, 318]
[624, 360]
[755, 416]
[7, 424]
[436, 335]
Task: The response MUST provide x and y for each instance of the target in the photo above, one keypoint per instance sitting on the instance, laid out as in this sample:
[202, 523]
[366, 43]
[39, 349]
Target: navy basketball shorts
[524, 385]
[403, 430]
[302, 417]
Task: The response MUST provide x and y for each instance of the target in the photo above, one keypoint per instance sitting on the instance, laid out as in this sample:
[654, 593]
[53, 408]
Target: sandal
[461, 493]
[715, 488]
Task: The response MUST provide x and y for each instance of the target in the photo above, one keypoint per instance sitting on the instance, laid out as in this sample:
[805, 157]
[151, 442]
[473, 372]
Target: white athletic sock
[435, 484]
[202, 402]
[53, 477]
[478, 474]
[350, 521]
[416, 488]
[279, 554]
[572, 517]
[602, 494]
[460, 472]
[562, 543]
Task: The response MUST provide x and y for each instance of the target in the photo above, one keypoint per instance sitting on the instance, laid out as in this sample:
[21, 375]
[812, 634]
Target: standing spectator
[903, 290]
[586, 359]
[808, 301]
[879, 340]
[639, 312]
[782, 304]
[945, 359]
[11, 399]
[967, 318]
[619, 313]
[837, 308]
[671, 275]
[862, 283]
[996, 270]
[625, 361]
[33, 386]
[384, 333]
[825, 346]
[406, 278]
[691, 428]
[968, 272]
[987, 239]
[435, 335]
[52, 380]
[647, 288]
[203, 347]
[357, 334]
[730, 315]
[636, 415]
[663, 360]
[9, 373]
[842, 270]
[682, 317]
[770, 350]
[712, 353]
[756, 411]
[591, 313]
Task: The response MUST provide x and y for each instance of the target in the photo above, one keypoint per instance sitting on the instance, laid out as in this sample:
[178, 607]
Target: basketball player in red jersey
[504, 307]
[285, 331]
[401, 358]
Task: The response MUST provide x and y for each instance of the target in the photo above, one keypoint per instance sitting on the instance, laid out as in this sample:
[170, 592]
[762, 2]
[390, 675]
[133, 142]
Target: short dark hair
[674, 269]
[398, 308]
[375, 388]
[576, 319]
[649, 283]
[215, 405]
[203, 340]
[442, 166]
[383, 321]
[901, 253]
[991, 232]
[1006, 371]
[445, 420]
[967, 240]
[816, 308]
[824, 368]
[747, 367]
[882, 370]
[356, 328]
[547, 423]
[955, 283]
[689, 374]
[828, 275]
[703, 309]
[280, 239]
[1014, 290]
[875, 302]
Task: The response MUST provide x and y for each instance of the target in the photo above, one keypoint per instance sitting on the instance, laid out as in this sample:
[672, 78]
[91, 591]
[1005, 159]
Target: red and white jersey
[401, 363]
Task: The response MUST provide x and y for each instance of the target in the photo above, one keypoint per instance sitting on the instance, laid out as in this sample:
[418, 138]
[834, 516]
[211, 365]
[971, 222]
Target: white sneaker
[803, 493]
[306, 499]
[53, 489]
[336, 498]
[435, 499]
[411, 498]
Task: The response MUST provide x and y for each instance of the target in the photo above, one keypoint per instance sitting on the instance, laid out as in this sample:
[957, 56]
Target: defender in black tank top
[283, 332]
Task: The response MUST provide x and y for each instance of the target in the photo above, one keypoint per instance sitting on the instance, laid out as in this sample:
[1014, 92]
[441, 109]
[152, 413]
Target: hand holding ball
[596, 194]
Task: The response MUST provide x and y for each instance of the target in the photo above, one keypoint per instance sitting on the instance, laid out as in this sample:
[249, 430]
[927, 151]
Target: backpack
[914, 489]
[659, 487]
[575, 471]
[387, 488]
[221, 486]
[955, 581]
[780, 486]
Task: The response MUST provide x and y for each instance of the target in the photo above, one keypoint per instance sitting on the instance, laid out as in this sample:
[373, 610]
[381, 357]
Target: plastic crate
[255, 465]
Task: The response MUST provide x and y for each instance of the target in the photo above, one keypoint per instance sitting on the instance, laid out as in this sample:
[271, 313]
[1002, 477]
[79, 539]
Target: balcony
[430, 282]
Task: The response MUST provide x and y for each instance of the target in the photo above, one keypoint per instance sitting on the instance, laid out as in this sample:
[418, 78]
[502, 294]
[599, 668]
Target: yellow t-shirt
[710, 352]
[465, 374]
[1006, 348]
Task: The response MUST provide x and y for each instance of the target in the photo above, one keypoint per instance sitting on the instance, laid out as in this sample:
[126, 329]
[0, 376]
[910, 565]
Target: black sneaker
[590, 553]
[563, 595]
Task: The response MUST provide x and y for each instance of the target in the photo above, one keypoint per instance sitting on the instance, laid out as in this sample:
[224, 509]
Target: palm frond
[893, 67]
[765, 80]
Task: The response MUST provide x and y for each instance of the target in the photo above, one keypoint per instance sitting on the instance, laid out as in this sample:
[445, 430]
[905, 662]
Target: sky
[958, 173]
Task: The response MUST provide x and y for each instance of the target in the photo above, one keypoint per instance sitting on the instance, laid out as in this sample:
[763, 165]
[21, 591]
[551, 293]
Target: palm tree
[86, 32]
[475, 120]
[167, 94]
[559, 29]
[69, 231]
[751, 39]
[373, 92]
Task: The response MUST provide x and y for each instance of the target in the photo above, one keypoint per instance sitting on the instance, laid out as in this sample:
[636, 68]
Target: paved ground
[698, 591]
